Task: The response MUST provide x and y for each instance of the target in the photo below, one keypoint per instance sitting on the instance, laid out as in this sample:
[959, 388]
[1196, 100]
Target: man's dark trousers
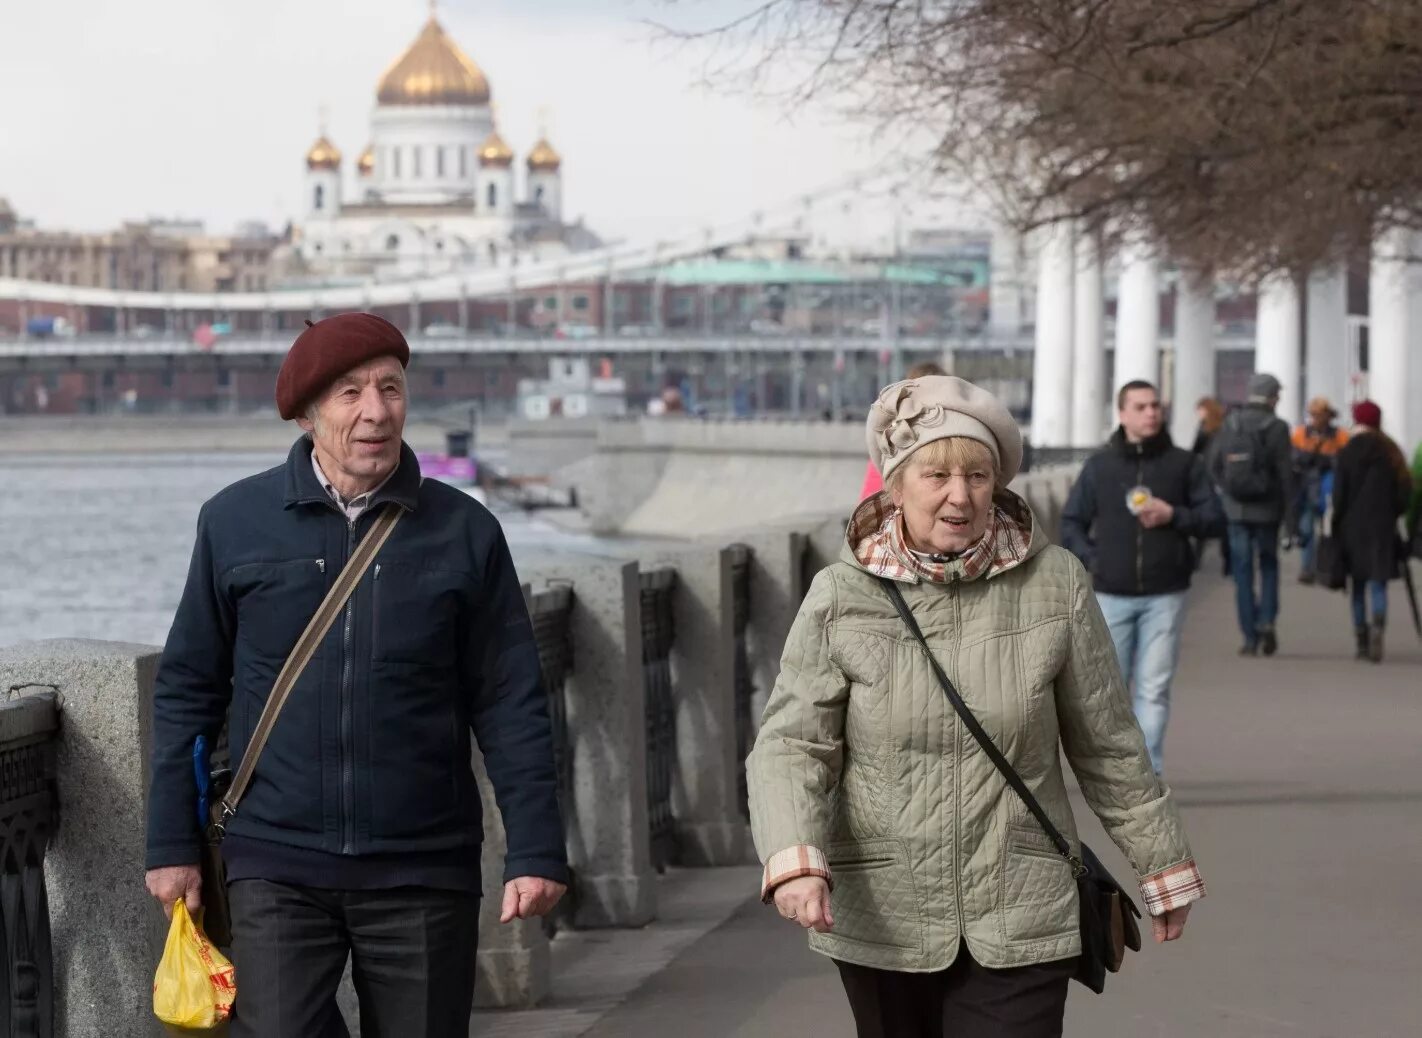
[411, 949]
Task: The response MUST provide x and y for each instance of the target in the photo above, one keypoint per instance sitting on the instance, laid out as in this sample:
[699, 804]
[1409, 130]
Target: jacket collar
[303, 488]
[1157, 444]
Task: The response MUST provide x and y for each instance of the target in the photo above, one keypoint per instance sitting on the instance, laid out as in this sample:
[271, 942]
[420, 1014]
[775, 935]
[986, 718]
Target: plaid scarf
[877, 534]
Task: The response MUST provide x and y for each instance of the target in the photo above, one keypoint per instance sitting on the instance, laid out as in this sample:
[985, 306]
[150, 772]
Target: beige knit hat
[909, 414]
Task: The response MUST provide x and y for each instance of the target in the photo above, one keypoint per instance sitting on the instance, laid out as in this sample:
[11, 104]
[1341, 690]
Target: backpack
[1246, 471]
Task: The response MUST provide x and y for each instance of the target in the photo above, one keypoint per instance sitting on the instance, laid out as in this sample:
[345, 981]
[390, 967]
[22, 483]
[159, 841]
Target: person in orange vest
[873, 481]
[1316, 443]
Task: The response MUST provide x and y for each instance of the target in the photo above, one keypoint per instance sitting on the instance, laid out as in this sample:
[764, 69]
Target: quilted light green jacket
[861, 756]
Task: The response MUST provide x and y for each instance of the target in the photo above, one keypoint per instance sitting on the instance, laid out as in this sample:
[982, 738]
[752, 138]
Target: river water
[97, 546]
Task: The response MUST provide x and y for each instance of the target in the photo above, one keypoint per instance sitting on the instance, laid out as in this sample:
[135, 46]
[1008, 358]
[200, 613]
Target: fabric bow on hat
[897, 418]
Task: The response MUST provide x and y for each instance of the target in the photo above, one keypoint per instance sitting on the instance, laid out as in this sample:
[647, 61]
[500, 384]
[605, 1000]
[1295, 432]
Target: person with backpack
[1252, 465]
[1132, 519]
[1316, 443]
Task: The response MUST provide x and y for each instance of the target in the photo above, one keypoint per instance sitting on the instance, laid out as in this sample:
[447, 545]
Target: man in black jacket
[360, 832]
[1131, 518]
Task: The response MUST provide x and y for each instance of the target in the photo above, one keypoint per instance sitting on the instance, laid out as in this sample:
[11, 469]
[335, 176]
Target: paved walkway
[1301, 782]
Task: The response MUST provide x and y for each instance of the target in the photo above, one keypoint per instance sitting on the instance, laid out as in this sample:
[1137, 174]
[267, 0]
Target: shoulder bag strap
[301, 654]
[984, 740]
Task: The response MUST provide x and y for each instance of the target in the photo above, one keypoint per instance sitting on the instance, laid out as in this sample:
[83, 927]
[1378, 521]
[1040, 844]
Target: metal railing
[551, 612]
[29, 815]
[741, 671]
[658, 635]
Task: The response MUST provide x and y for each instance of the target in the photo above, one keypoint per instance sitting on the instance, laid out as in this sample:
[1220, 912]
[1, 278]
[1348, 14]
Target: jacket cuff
[1172, 888]
[164, 855]
[542, 868]
[793, 863]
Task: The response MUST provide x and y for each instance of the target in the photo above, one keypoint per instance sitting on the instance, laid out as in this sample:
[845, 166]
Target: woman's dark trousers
[411, 952]
[964, 1001]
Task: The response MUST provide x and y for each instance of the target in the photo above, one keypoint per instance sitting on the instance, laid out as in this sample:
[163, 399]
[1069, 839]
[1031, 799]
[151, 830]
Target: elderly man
[359, 833]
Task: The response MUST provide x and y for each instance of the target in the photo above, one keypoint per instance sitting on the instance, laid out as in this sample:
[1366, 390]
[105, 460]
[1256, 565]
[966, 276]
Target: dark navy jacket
[1122, 556]
[371, 753]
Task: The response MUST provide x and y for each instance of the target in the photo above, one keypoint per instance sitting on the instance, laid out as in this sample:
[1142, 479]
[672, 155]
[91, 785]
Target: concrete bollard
[778, 584]
[608, 832]
[711, 828]
[512, 963]
[107, 931]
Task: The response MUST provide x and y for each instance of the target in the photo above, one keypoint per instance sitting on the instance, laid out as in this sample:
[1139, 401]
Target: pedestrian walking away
[886, 827]
[1133, 518]
[1371, 490]
[1316, 444]
[358, 836]
[1251, 463]
[1211, 415]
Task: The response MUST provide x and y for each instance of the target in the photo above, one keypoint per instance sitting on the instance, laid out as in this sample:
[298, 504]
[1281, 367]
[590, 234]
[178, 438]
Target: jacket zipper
[957, 775]
[347, 737]
[1140, 532]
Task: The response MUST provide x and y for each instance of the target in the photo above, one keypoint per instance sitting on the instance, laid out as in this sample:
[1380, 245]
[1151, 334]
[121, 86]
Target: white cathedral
[435, 190]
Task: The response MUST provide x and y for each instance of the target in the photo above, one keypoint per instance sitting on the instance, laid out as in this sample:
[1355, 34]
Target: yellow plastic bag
[195, 985]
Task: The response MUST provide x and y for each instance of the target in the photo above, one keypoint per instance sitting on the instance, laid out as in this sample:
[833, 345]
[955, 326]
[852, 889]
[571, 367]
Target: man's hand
[1155, 512]
[806, 901]
[1171, 925]
[529, 896]
[173, 883]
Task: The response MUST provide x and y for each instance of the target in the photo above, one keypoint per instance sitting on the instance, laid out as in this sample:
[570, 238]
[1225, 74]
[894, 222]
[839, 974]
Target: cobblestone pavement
[1301, 782]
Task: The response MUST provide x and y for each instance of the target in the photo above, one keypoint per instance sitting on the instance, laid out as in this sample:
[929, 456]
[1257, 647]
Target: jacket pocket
[286, 790]
[415, 619]
[417, 745]
[1038, 891]
[275, 602]
[873, 899]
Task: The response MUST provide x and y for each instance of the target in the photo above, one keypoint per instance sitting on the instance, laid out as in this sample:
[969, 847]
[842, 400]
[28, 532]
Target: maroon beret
[1365, 412]
[328, 349]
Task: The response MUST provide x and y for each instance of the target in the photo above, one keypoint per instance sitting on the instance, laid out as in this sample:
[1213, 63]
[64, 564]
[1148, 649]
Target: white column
[1052, 357]
[1194, 352]
[1005, 285]
[1089, 419]
[1327, 337]
[1394, 325]
[1277, 344]
[1137, 317]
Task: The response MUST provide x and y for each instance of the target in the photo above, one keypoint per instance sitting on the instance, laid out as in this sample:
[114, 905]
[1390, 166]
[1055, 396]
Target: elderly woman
[885, 829]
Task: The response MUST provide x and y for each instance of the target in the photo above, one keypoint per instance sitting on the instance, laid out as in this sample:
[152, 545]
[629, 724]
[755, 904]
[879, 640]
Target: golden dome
[543, 159]
[365, 165]
[323, 155]
[434, 71]
[494, 152]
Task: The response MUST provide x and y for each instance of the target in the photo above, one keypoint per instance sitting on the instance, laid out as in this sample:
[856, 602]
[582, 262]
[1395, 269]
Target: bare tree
[1243, 135]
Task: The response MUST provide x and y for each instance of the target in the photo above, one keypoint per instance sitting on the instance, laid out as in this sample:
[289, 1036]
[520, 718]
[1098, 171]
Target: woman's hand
[1171, 925]
[806, 901]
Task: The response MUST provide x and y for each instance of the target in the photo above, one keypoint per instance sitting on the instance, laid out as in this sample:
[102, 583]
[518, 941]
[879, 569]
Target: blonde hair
[960, 452]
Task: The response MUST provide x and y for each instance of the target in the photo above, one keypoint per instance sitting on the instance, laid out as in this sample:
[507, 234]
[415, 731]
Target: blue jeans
[1258, 610]
[1375, 590]
[1146, 630]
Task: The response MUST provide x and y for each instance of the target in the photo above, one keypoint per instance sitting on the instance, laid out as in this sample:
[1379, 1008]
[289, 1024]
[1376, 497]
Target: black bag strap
[984, 740]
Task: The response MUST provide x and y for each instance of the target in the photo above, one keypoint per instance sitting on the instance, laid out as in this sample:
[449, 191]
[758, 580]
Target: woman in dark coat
[1211, 414]
[1371, 487]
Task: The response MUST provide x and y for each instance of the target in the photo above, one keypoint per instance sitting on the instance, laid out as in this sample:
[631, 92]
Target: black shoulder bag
[1108, 915]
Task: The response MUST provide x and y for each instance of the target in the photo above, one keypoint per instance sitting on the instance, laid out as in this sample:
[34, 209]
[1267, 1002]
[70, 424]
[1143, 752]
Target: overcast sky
[125, 109]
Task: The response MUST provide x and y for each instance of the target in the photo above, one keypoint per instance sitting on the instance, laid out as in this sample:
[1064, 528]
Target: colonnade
[1301, 337]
